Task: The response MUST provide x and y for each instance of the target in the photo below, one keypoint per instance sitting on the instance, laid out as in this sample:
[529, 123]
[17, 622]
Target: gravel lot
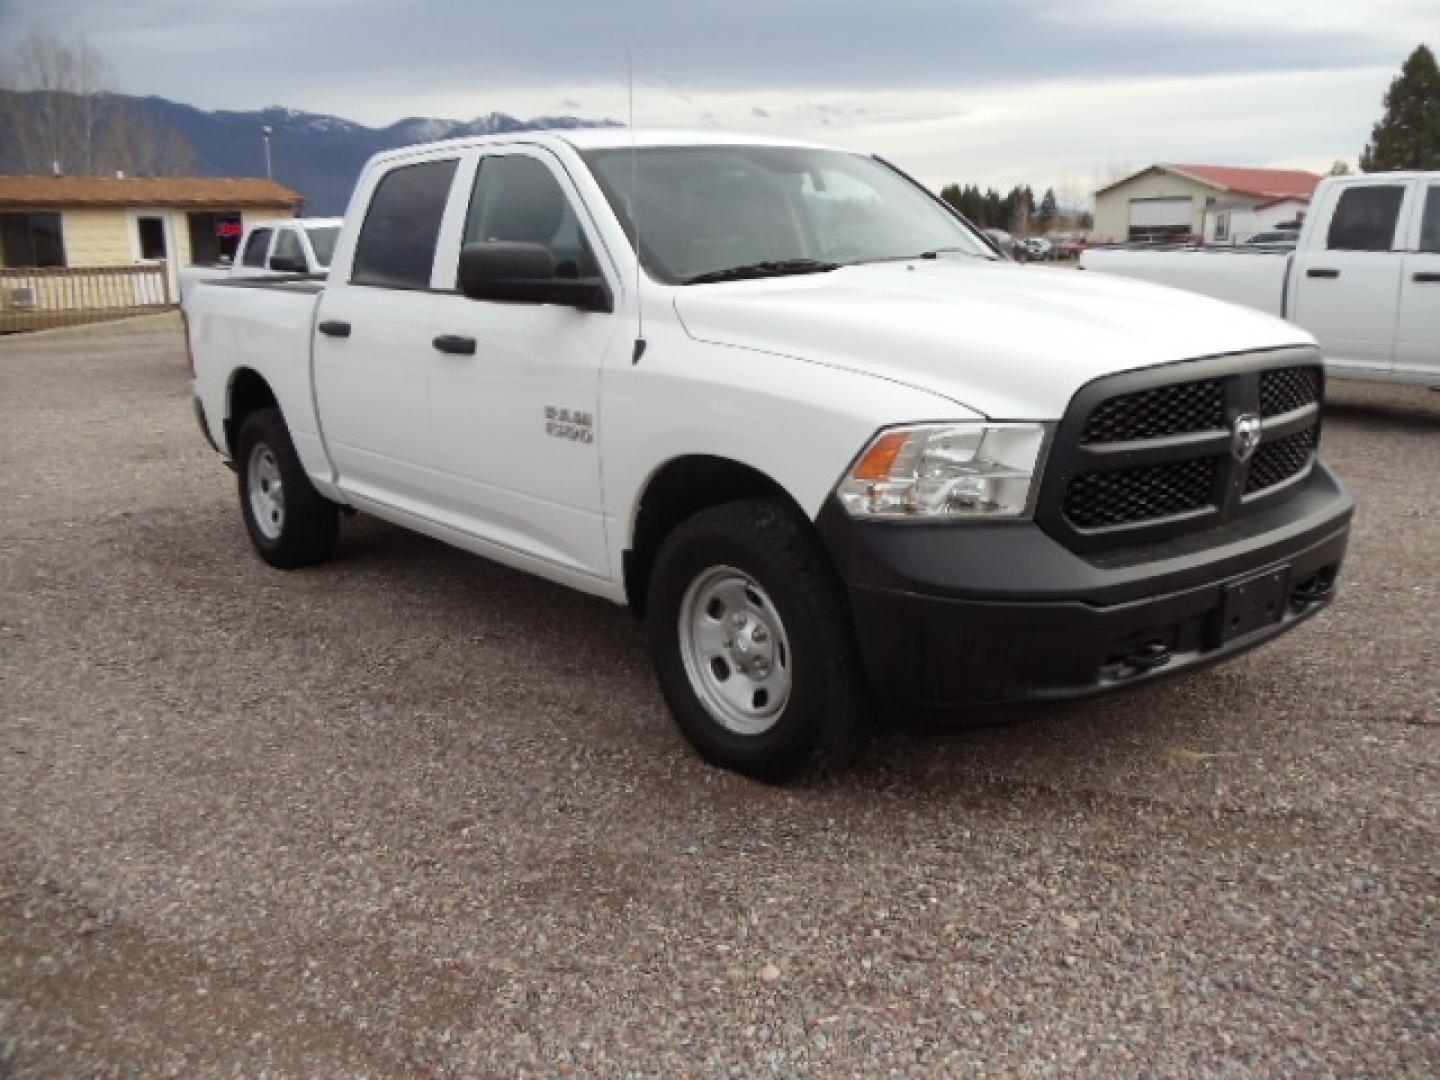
[413, 813]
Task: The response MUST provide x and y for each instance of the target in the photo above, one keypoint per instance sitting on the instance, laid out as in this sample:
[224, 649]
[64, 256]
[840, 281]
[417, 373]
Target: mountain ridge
[317, 154]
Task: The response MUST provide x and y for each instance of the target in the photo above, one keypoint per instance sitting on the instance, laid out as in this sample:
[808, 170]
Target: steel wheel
[735, 650]
[267, 491]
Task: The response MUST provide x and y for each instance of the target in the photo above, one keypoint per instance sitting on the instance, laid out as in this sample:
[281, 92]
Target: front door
[1346, 284]
[514, 423]
[1417, 338]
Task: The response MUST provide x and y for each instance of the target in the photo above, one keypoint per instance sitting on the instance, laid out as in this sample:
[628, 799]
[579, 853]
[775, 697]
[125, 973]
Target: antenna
[635, 213]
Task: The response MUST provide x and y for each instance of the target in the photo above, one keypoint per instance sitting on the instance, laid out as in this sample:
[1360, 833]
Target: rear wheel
[753, 644]
[289, 522]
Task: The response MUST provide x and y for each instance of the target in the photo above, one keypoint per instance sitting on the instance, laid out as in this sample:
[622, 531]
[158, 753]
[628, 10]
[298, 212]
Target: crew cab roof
[609, 138]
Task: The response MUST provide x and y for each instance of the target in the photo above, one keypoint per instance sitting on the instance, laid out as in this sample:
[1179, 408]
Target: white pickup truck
[268, 248]
[771, 395]
[1364, 277]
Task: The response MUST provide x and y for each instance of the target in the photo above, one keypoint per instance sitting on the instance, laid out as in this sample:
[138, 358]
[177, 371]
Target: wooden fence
[37, 299]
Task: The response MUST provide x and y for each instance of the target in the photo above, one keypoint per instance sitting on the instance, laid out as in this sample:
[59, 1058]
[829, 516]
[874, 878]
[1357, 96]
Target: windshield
[322, 239]
[709, 209]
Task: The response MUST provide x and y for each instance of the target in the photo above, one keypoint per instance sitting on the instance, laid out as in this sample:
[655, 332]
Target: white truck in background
[785, 418]
[1364, 276]
[281, 246]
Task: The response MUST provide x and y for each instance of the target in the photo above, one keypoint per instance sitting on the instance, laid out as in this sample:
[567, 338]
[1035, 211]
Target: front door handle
[454, 343]
[334, 328]
[1322, 271]
[1425, 275]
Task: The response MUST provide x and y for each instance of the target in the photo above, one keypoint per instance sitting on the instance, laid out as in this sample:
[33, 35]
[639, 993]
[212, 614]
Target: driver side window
[516, 198]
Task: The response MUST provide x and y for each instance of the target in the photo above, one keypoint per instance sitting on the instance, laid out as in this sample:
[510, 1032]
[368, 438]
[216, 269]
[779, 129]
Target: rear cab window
[396, 247]
[287, 245]
[255, 248]
[1365, 218]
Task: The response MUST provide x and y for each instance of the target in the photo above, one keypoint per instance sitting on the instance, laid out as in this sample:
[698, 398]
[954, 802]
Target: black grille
[1287, 389]
[1139, 458]
[1276, 462]
[1122, 496]
[1163, 410]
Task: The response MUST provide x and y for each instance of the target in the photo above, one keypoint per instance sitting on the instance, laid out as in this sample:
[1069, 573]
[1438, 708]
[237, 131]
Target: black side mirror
[525, 273]
[288, 264]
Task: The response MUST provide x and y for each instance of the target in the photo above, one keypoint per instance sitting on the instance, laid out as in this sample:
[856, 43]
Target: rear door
[1346, 280]
[372, 340]
[1417, 338]
[514, 412]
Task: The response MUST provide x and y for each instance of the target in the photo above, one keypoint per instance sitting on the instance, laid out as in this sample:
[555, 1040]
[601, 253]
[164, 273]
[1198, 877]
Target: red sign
[228, 230]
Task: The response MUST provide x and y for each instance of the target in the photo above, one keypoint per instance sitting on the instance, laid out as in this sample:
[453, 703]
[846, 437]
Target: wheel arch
[676, 491]
[247, 392]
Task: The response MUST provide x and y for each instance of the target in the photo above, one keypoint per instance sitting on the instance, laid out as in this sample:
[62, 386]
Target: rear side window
[396, 249]
[1430, 221]
[255, 248]
[1365, 218]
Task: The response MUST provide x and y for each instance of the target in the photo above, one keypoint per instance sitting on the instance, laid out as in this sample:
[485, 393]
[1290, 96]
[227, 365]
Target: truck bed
[1251, 278]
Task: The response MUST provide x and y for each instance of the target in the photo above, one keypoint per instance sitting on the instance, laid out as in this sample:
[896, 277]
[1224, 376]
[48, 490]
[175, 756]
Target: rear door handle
[454, 343]
[1322, 271]
[1425, 275]
[334, 328]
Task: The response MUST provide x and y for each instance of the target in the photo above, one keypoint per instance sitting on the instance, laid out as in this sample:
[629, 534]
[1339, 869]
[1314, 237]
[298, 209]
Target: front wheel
[752, 642]
[289, 522]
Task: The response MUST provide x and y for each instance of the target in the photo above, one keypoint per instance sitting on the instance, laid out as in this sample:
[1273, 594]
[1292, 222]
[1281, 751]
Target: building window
[214, 237]
[28, 240]
[152, 237]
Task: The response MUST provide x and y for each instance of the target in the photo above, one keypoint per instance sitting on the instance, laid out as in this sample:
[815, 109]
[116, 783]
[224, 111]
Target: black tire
[303, 533]
[822, 723]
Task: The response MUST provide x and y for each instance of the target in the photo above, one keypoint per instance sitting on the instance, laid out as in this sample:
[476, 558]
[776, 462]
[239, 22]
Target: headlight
[966, 471]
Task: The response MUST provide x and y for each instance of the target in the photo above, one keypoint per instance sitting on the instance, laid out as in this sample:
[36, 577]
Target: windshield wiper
[933, 253]
[770, 268]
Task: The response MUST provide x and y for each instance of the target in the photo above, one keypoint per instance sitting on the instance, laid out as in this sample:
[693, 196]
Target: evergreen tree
[1049, 209]
[1408, 135]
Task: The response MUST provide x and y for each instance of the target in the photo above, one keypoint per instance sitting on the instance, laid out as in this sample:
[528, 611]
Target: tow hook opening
[1314, 589]
[1138, 659]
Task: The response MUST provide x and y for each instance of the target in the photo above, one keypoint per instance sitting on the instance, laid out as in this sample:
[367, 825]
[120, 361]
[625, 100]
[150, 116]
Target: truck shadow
[563, 646]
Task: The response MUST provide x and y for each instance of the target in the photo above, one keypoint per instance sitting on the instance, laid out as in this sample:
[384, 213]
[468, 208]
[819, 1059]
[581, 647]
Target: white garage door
[1167, 213]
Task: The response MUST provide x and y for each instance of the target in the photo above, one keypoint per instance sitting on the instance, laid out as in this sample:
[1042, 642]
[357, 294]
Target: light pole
[265, 130]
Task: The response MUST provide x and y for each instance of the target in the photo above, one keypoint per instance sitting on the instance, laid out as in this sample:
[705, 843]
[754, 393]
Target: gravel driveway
[413, 813]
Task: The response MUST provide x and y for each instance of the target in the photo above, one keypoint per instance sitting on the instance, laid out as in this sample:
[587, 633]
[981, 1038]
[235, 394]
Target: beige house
[105, 224]
[1221, 203]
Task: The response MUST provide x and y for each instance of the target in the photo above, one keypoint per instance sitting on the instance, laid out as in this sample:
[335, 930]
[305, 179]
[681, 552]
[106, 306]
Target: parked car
[283, 246]
[1364, 276]
[1008, 246]
[1039, 247]
[784, 414]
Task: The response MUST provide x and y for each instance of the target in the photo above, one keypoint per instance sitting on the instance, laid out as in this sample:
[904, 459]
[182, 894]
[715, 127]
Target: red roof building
[1222, 204]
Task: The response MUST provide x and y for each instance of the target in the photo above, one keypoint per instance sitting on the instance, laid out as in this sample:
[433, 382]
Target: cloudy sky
[1064, 92]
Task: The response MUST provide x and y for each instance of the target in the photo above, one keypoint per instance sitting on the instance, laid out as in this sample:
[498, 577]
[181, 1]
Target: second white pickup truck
[1364, 276]
[271, 248]
[771, 395]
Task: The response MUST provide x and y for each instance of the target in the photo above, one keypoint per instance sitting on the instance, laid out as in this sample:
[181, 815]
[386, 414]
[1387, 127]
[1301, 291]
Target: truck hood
[1010, 342]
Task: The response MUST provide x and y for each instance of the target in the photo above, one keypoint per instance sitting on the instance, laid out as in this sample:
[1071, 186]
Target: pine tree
[1049, 209]
[1408, 135]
